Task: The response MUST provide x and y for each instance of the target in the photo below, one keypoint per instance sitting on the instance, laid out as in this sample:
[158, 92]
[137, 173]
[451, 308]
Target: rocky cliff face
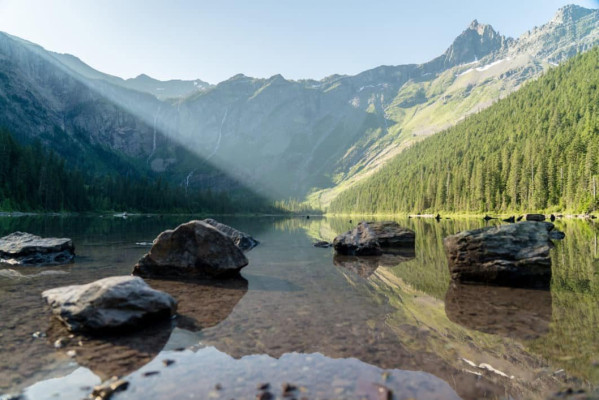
[284, 138]
[476, 42]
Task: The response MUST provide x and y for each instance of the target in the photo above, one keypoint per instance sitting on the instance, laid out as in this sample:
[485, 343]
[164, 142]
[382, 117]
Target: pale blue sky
[214, 40]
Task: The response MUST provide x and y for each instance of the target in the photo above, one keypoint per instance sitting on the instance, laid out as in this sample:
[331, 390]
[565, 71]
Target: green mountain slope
[537, 149]
[435, 101]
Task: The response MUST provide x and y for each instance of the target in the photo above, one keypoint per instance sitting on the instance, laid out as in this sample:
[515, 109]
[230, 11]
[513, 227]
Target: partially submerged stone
[372, 238]
[118, 302]
[513, 255]
[535, 217]
[242, 240]
[194, 250]
[21, 248]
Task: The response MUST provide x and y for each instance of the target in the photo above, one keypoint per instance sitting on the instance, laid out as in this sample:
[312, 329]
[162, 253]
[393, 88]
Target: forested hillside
[35, 179]
[538, 149]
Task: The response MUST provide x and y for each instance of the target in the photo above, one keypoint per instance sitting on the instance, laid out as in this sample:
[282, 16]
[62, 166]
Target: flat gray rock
[194, 250]
[513, 254]
[118, 302]
[21, 248]
[373, 238]
[242, 240]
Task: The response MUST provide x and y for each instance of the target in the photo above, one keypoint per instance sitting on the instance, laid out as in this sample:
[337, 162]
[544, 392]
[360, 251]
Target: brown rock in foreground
[194, 250]
[370, 238]
[512, 255]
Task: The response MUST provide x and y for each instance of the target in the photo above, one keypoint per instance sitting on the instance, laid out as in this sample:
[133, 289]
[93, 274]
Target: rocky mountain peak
[571, 12]
[478, 27]
[477, 41]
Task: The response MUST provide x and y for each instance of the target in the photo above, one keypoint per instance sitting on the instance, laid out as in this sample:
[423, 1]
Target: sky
[214, 40]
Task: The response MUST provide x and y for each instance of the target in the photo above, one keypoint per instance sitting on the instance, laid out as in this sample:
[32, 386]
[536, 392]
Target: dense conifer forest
[35, 179]
[538, 149]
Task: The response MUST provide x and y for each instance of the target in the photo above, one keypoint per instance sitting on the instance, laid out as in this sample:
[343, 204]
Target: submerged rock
[16, 275]
[370, 238]
[322, 244]
[194, 250]
[116, 302]
[21, 248]
[242, 240]
[513, 255]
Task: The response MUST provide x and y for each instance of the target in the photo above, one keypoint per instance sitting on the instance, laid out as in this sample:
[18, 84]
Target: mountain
[162, 90]
[280, 137]
[538, 149]
[94, 124]
[477, 41]
[437, 101]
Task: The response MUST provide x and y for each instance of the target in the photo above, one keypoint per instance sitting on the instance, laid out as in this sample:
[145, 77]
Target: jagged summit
[571, 12]
[479, 28]
[476, 42]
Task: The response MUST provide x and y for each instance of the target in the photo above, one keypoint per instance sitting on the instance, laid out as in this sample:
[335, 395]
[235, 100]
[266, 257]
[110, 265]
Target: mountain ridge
[292, 138]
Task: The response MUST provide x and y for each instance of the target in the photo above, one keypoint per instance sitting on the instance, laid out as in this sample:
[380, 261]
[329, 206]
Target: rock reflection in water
[315, 376]
[203, 304]
[510, 312]
[200, 305]
[365, 266]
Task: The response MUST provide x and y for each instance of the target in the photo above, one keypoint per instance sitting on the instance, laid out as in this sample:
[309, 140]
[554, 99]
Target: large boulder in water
[117, 302]
[373, 238]
[194, 250]
[513, 255]
[21, 248]
[242, 240]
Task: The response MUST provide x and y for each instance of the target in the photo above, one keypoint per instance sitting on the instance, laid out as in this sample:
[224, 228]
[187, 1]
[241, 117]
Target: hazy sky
[214, 40]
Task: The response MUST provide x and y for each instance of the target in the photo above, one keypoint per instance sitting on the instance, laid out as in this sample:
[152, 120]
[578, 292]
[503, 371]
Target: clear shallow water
[334, 327]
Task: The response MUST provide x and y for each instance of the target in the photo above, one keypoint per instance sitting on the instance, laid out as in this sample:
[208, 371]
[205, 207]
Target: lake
[332, 327]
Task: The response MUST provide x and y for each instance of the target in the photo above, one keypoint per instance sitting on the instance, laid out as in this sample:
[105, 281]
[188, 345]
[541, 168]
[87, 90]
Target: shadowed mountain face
[96, 125]
[283, 138]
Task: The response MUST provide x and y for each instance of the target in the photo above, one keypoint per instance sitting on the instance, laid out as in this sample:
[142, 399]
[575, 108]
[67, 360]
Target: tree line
[537, 149]
[33, 178]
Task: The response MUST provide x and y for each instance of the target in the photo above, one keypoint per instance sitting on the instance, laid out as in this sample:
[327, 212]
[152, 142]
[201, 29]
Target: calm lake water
[335, 328]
